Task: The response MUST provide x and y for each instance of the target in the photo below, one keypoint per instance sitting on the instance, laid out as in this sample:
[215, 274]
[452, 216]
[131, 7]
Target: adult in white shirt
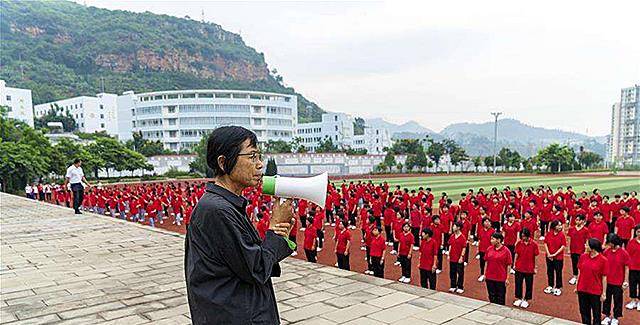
[75, 177]
[28, 190]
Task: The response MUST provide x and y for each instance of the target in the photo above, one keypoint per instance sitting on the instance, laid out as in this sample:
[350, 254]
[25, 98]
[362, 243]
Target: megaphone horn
[312, 189]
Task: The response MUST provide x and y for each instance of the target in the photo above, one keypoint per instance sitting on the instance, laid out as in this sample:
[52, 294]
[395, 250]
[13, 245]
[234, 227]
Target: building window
[81, 115]
[336, 137]
[102, 116]
[335, 118]
[172, 121]
[172, 134]
[76, 106]
[171, 109]
[102, 125]
[9, 97]
[82, 124]
[101, 106]
[158, 97]
[81, 105]
[205, 95]
[172, 96]
[336, 128]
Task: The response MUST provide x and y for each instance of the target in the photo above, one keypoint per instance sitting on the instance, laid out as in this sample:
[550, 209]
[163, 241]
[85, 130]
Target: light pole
[495, 138]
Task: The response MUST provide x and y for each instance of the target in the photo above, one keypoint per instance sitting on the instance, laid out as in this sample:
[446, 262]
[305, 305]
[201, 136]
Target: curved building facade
[180, 118]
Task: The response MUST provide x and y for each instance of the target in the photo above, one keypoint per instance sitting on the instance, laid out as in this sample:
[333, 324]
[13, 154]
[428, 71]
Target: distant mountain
[408, 127]
[510, 129]
[477, 138]
[60, 49]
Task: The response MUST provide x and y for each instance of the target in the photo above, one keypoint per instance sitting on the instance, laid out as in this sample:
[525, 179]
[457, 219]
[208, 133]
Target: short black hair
[498, 236]
[77, 160]
[227, 141]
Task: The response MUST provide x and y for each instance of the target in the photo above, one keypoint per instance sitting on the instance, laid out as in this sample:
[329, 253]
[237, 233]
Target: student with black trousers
[592, 269]
[525, 265]
[499, 263]
[429, 249]
[378, 247]
[457, 248]
[554, 243]
[617, 261]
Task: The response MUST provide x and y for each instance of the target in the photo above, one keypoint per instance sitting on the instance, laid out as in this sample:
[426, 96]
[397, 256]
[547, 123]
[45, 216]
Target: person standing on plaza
[592, 270]
[525, 265]
[499, 262]
[75, 177]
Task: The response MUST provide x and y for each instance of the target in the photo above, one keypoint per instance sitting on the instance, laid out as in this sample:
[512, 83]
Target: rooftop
[58, 266]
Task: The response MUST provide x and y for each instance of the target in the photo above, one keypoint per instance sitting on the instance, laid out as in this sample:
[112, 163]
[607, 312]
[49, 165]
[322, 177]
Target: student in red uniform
[592, 269]
[319, 226]
[404, 253]
[617, 261]
[343, 244]
[634, 270]
[498, 264]
[457, 248]
[389, 216]
[436, 227]
[624, 225]
[428, 263]
[510, 232]
[377, 252]
[530, 222]
[578, 234]
[554, 243]
[310, 241]
[415, 217]
[525, 265]
[484, 241]
[262, 226]
[598, 228]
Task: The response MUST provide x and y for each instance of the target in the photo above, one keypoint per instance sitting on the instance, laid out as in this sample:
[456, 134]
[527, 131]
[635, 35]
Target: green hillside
[61, 49]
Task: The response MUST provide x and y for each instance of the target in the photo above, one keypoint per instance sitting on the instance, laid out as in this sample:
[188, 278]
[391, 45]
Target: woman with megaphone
[228, 267]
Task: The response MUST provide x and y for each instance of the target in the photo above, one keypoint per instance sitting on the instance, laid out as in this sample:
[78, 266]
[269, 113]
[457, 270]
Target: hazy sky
[555, 64]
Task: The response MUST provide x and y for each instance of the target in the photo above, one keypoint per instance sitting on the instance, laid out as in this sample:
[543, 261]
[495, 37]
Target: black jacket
[228, 268]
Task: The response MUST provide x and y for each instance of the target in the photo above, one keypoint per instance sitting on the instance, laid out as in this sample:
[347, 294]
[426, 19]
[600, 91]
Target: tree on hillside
[556, 158]
[55, 114]
[589, 159]
[389, 160]
[477, 162]
[297, 146]
[435, 151]
[509, 159]
[488, 161]
[272, 167]
[327, 145]
[199, 165]
[406, 146]
[457, 154]
[277, 146]
[146, 147]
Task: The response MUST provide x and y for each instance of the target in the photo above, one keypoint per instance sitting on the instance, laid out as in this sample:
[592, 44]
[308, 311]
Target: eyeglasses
[254, 156]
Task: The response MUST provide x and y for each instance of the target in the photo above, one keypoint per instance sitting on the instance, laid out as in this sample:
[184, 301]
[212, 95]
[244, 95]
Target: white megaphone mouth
[313, 189]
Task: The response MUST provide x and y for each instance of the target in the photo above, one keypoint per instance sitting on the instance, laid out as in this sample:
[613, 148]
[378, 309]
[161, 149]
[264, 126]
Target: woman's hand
[281, 229]
[282, 212]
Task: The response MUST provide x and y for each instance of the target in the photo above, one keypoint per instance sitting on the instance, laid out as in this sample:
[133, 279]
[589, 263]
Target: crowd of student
[509, 227]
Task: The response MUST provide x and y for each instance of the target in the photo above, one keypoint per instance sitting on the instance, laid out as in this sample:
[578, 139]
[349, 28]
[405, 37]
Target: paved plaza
[58, 267]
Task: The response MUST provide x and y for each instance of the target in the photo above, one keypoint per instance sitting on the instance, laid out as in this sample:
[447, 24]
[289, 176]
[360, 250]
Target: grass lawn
[456, 184]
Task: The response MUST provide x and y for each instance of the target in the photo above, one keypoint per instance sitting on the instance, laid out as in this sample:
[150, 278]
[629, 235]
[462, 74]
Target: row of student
[495, 252]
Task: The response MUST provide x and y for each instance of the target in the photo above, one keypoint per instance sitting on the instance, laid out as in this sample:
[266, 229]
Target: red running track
[564, 306]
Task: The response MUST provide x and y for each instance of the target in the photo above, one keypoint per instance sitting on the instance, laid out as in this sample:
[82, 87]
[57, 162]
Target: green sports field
[454, 185]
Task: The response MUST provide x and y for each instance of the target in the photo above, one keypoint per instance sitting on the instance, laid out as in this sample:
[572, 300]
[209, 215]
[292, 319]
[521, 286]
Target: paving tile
[392, 299]
[443, 314]
[350, 313]
[396, 313]
[483, 317]
[307, 312]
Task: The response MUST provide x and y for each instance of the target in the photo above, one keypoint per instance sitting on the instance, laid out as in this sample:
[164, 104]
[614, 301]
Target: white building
[624, 141]
[180, 118]
[373, 139]
[19, 102]
[92, 114]
[336, 126]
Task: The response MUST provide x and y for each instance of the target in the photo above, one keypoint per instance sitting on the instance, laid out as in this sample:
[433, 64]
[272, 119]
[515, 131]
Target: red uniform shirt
[625, 227]
[341, 241]
[554, 242]
[378, 246]
[437, 233]
[633, 248]
[497, 262]
[616, 262]
[511, 233]
[389, 215]
[406, 241]
[598, 230]
[592, 269]
[526, 259]
[578, 239]
[428, 251]
[531, 224]
[310, 236]
[484, 238]
[457, 244]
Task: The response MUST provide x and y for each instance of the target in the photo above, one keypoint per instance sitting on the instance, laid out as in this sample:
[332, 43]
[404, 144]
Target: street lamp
[495, 138]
